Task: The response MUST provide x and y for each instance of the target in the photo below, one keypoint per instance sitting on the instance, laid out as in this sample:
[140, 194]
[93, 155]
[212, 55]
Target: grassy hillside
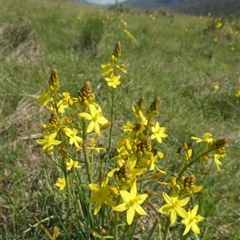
[191, 63]
[192, 7]
[202, 8]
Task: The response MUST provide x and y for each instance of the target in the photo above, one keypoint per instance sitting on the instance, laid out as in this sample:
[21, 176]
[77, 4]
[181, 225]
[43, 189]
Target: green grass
[163, 60]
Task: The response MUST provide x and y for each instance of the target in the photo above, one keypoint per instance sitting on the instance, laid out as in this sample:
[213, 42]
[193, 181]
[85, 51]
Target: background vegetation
[193, 7]
[191, 63]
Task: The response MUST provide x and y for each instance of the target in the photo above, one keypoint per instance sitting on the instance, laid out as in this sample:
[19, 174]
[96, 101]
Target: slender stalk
[191, 163]
[110, 132]
[150, 234]
[115, 227]
[68, 190]
[165, 234]
[89, 221]
[88, 165]
[43, 228]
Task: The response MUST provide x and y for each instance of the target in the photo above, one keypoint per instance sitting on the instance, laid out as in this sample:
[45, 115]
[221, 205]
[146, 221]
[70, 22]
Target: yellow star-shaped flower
[113, 81]
[61, 183]
[191, 221]
[207, 137]
[95, 117]
[100, 196]
[73, 138]
[174, 207]
[158, 132]
[132, 203]
[48, 142]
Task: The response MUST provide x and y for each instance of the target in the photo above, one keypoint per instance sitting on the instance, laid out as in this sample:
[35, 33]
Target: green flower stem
[55, 101]
[89, 222]
[191, 163]
[110, 132]
[68, 198]
[165, 234]
[115, 227]
[116, 220]
[88, 165]
[150, 234]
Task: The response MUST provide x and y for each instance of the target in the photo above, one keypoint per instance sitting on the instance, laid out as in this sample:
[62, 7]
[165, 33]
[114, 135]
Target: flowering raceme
[110, 69]
[100, 181]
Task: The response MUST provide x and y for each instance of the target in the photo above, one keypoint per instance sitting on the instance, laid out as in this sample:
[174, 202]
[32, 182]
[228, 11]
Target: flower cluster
[110, 69]
[122, 25]
[221, 29]
[72, 118]
[112, 180]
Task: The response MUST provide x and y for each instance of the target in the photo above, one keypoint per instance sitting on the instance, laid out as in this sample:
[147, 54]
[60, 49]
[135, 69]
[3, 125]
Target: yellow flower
[237, 94]
[191, 221]
[123, 22]
[188, 154]
[132, 203]
[61, 105]
[100, 196]
[122, 68]
[217, 158]
[216, 85]
[67, 98]
[61, 183]
[72, 134]
[158, 132]
[173, 207]
[48, 142]
[128, 127]
[154, 159]
[207, 137]
[113, 81]
[143, 118]
[218, 25]
[93, 146]
[129, 35]
[45, 98]
[107, 69]
[72, 164]
[95, 117]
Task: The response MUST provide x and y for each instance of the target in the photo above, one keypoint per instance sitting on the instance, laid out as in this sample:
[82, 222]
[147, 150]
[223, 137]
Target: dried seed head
[154, 105]
[189, 181]
[54, 118]
[138, 127]
[220, 143]
[188, 186]
[185, 146]
[145, 145]
[124, 176]
[53, 76]
[117, 50]
[85, 95]
[123, 171]
[54, 81]
[140, 104]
